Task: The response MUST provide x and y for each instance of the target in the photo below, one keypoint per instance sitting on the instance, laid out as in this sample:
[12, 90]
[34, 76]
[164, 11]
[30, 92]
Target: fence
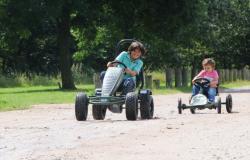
[181, 77]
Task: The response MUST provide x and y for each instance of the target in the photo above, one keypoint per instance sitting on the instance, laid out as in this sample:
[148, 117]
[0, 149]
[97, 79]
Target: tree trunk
[156, 83]
[193, 74]
[169, 77]
[184, 77]
[65, 57]
[148, 79]
[178, 77]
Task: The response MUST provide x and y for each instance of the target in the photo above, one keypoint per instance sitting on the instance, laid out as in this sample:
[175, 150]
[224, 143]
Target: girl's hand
[213, 84]
[193, 81]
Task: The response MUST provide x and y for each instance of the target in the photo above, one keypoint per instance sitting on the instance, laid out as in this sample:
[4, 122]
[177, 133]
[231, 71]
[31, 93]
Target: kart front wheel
[81, 107]
[192, 111]
[229, 103]
[179, 106]
[131, 105]
[99, 111]
[218, 105]
[147, 108]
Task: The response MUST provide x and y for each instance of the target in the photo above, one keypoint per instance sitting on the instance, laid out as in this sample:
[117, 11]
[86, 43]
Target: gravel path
[50, 132]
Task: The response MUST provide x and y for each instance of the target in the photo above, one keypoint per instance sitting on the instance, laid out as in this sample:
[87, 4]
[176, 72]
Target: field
[26, 96]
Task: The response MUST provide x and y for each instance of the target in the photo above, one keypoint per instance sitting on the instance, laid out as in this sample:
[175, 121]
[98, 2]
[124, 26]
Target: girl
[209, 73]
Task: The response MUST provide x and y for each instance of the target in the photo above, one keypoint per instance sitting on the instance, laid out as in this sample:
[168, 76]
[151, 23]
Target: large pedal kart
[108, 97]
[200, 101]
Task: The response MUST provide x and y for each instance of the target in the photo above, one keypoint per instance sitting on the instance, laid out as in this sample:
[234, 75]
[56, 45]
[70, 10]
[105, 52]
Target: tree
[24, 18]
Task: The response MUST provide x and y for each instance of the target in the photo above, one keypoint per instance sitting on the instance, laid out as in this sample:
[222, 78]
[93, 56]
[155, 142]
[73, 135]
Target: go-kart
[110, 96]
[200, 101]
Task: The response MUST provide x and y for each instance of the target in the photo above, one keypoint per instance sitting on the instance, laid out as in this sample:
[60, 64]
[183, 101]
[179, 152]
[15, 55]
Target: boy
[132, 59]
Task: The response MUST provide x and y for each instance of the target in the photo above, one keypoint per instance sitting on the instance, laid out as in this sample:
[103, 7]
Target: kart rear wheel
[81, 107]
[229, 103]
[131, 105]
[218, 105]
[147, 108]
[192, 111]
[179, 106]
[99, 111]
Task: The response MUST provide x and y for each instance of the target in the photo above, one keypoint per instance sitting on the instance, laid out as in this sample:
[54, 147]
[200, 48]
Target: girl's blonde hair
[208, 61]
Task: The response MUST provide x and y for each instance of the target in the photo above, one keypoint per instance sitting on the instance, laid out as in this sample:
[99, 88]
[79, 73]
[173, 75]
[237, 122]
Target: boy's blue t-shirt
[135, 65]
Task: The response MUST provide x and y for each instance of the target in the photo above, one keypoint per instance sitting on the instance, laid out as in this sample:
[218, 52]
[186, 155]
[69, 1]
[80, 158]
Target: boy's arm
[129, 71]
[119, 58]
[136, 69]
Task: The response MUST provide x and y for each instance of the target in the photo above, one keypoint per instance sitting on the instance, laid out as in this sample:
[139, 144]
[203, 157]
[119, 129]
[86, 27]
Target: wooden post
[248, 74]
[169, 77]
[156, 83]
[97, 80]
[221, 75]
[178, 77]
[226, 75]
[243, 74]
[148, 80]
[234, 72]
[239, 74]
[230, 75]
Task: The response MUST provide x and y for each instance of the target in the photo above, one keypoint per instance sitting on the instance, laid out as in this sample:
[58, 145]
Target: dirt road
[50, 132]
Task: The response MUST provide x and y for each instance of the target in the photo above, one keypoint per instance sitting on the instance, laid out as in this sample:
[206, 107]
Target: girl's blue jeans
[211, 92]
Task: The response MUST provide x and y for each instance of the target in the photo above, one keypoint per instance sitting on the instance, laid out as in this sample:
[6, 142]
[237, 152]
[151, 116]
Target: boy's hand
[110, 65]
[129, 71]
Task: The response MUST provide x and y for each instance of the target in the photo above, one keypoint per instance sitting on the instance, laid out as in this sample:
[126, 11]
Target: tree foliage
[48, 37]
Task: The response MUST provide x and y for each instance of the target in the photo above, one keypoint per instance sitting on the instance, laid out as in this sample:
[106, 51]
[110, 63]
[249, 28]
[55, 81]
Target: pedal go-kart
[108, 97]
[200, 101]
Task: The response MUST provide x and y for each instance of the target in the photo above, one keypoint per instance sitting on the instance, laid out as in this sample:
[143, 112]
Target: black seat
[217, 90]
[140, 79]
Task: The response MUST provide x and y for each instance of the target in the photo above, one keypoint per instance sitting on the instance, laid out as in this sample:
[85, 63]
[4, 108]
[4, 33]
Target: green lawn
[163, 90]
[24, 97]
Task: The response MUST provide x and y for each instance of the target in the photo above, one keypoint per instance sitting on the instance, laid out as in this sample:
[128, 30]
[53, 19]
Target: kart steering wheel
[202, 82]
[118, 62]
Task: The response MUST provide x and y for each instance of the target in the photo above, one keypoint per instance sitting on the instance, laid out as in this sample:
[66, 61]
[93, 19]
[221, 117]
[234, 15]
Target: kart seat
[140, 79]
[217, 90]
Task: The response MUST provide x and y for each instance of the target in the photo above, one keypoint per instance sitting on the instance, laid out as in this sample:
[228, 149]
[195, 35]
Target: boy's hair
[208, 61]
[136, 45]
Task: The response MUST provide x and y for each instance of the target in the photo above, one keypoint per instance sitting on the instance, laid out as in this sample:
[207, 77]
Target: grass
[23, 97]
[162, 90]
[236, 84]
